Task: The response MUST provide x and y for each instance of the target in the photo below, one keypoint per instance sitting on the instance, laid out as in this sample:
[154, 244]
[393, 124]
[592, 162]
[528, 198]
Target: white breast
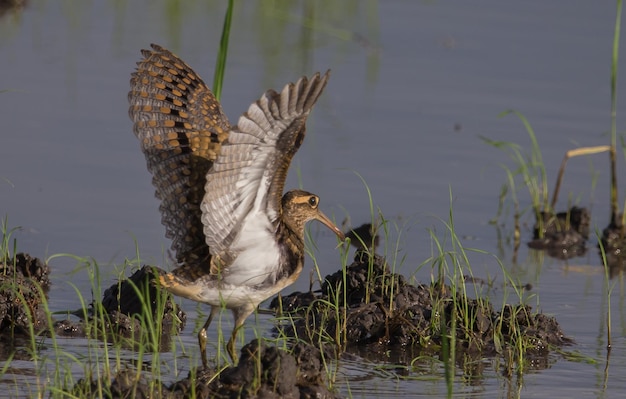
[257, 255]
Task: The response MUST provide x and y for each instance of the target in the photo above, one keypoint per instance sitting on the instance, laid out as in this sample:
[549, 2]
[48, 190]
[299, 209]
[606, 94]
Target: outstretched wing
[181, 126]
[249, 175]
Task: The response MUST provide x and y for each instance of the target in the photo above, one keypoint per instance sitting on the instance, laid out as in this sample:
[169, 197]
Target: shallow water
[414, 85]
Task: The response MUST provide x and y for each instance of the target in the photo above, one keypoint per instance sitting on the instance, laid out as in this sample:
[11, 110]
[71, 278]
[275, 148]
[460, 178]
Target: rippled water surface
[414, 85]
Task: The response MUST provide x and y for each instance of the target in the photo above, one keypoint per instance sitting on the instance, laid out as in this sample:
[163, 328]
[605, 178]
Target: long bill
[324, 219]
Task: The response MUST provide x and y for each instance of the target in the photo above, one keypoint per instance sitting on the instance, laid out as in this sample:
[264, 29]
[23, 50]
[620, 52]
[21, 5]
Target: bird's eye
[313, 201]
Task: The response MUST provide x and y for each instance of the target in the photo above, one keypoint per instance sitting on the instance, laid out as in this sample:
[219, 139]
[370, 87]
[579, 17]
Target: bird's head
[300, 206]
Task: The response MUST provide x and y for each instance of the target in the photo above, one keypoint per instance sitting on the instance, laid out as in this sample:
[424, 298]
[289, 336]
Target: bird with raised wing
[237, 239]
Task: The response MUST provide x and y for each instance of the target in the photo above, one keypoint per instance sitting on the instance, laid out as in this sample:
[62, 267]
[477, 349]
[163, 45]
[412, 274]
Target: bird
[237, 238]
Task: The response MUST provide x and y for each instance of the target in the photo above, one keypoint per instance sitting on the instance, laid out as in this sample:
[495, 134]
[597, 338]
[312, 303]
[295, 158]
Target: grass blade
[220, 67]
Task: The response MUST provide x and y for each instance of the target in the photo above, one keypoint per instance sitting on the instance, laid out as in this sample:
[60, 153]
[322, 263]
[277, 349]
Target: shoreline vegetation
[379, 312]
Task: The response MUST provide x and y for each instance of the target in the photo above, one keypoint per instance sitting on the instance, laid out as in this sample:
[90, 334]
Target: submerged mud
[380, 311]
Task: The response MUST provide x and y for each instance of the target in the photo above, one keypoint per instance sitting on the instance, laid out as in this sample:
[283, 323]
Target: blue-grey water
[414, 85]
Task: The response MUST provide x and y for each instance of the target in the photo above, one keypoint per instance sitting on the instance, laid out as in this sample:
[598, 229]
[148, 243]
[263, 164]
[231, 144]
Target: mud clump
[269, 372]
[564, 235]
[575, 219]
[24, 282]
[364, 237]
[125, 303]
[138, 294]
[263, 372]
[614, 245]
[383, 311]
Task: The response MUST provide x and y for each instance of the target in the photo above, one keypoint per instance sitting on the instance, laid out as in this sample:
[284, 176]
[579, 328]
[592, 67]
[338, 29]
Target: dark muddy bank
[378, 312]
[383, 313]
[24, 284]
[263, 372]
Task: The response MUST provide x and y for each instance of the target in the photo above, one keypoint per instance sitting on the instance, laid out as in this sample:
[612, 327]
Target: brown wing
[181, 126]
[249, 176]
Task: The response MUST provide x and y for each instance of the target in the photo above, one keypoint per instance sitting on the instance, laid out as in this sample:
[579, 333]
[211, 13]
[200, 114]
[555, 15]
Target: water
[414, 85]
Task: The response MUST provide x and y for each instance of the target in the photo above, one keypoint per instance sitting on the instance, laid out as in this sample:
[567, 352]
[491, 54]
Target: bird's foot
[202, 338]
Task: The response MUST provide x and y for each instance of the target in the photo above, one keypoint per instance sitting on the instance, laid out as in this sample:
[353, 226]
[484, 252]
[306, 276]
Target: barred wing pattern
[181, 126]
[250, 172]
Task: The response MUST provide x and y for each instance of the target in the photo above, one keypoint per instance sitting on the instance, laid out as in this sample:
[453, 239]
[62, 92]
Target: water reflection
[11, 8]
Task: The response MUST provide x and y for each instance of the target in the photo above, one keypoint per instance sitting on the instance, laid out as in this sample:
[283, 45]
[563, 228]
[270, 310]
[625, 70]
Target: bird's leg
[202, 337]
[240, 314]
[230, 347]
